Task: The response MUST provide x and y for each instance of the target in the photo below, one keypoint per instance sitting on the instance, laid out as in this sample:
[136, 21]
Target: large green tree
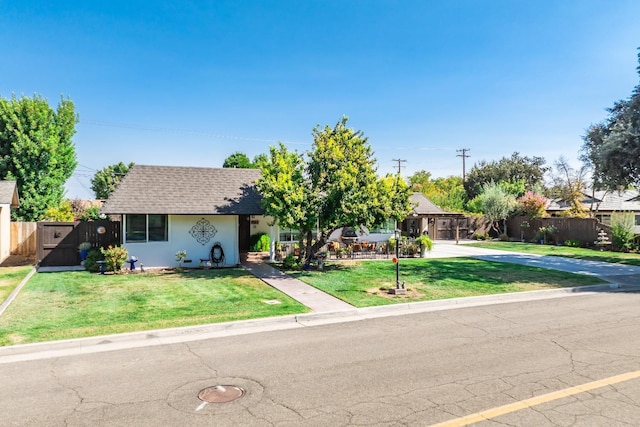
[525, 173]
[107, 179]
[241, 161]
[237, 160]
[613, 146]
[496, 205]
[336, 187]
[36, 151]
[448, 193]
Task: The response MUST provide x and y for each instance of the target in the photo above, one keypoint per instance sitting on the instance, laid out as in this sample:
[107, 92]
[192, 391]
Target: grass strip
[75, 304]
[366, 283]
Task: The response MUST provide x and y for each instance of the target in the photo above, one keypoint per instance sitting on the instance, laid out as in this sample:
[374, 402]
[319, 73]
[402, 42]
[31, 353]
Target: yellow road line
[528, 403]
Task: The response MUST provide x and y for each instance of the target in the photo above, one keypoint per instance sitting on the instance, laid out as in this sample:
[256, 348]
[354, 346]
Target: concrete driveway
[615, 273]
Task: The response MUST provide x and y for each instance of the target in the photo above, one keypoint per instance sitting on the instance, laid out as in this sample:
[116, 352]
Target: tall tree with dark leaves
[238, 160]
[612, 147]
[107, 179]
[520, 171]
[37, 152]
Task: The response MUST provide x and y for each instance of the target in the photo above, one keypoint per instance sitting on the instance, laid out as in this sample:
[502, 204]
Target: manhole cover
[220, 394]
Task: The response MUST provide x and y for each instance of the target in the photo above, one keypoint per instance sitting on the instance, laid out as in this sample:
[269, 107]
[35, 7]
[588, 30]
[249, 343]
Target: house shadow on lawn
[18, 261]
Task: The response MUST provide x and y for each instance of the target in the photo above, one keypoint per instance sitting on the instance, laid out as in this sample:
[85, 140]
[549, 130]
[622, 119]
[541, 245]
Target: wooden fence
[24, 239]
[58, 241]
[584, 230]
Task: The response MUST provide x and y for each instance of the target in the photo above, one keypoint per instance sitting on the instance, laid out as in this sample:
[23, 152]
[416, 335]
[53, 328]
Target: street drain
[220, 394]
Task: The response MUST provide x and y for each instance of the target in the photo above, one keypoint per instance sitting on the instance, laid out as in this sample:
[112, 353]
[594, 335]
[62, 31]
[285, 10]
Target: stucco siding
[162, 254]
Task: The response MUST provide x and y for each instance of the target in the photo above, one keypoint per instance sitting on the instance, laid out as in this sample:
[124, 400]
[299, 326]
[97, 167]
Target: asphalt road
[418, 369]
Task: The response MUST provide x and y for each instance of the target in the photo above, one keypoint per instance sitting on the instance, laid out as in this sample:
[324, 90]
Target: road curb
[46, 350]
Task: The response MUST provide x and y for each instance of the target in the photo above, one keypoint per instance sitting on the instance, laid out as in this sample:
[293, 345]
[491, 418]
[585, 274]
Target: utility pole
[464, 155]
[400, 161]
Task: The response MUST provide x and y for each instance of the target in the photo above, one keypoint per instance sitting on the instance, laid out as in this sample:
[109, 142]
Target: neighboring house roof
[602, 201]
[9, 194]
[424, 206]
[186, 190]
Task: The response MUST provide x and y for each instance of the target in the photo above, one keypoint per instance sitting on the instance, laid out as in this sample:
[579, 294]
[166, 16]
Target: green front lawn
[367, 283]
[62, 305]
[10, 278]
[564, 251]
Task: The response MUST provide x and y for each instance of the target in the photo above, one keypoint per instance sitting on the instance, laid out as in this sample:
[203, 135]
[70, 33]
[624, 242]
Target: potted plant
[426, 244]
[180, 257]
[84, 250]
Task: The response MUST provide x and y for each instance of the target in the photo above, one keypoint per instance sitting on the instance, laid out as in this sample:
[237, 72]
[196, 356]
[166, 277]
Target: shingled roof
[186, 190]
[424, 206]
[9, 193]
[602, 201]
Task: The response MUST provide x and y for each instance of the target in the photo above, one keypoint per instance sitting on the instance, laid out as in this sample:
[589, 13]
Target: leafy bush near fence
[622, 224]
[90, 264]
[115, 256]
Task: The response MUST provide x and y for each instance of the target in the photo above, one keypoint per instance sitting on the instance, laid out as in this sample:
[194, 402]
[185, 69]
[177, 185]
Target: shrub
[90, 263]
[622, 224]
[504, 237]
[425, 242]
[289, 262]
[61, 213]
[410, 249]
[92, 213]
[573, 243]
[260, 242]
[115, 256]
[481, 236]
[533, 205]
[547, 234]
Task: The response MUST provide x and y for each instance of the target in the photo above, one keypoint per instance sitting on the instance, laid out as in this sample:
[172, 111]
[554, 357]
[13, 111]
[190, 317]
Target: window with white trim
[146, 228]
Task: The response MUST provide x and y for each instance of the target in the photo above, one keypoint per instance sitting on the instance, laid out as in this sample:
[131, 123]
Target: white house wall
[163, 254]
[260, 224]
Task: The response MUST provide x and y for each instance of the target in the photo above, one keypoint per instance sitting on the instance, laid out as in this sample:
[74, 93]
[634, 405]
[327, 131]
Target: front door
[244, 232]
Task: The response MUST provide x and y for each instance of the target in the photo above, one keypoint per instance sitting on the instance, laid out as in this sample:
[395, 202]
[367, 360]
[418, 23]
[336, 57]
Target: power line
[400, 161]
[464, 155]
[193, 132]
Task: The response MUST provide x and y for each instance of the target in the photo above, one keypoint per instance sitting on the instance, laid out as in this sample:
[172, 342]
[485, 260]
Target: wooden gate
[58, 241]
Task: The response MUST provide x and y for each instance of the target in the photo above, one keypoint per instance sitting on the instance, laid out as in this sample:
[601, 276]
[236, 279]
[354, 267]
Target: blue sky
[191, 82]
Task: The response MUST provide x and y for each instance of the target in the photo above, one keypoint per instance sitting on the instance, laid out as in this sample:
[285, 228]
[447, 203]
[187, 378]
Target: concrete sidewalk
[307, 295]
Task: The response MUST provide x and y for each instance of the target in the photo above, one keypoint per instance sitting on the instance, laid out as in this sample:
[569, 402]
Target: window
[158, 230]
[386, 227]
[137, 230]
[637, 219]
[289, 235]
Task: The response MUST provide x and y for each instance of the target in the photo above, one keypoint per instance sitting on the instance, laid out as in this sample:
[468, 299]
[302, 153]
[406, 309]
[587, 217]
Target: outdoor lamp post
[400, 288]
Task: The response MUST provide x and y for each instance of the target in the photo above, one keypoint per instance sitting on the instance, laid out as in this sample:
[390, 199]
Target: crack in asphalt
[466, 325]
[54, 375]
[258, 417]
[212, 371]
